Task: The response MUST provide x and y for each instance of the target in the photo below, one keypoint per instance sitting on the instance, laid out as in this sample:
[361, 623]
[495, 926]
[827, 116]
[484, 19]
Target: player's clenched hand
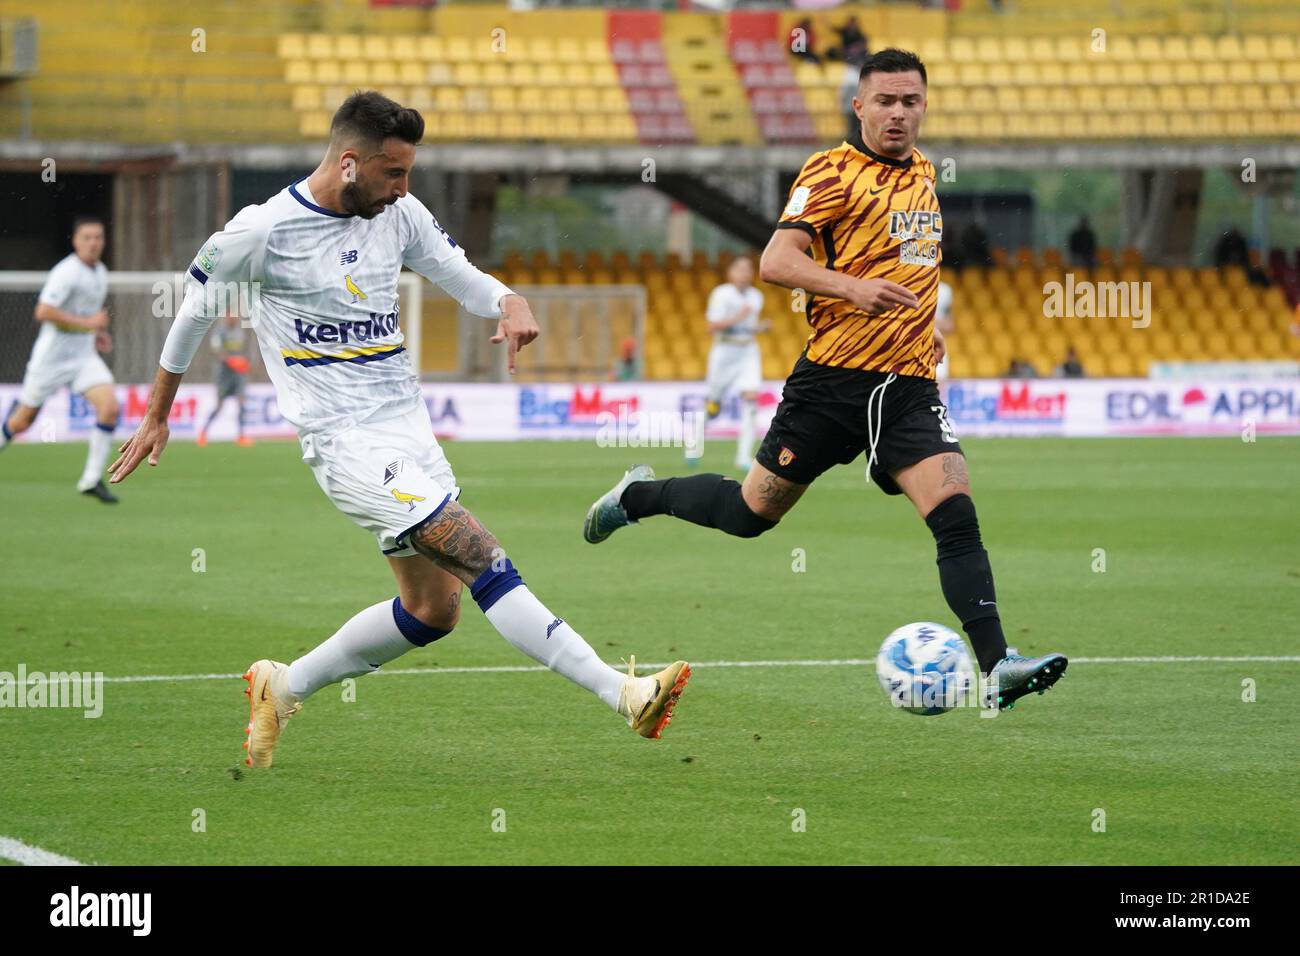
[148, 441]
[940, 347]
[878, 296]
[517, 327]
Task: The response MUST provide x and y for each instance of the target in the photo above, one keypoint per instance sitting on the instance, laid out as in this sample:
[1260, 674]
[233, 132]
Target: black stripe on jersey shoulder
[799, 224]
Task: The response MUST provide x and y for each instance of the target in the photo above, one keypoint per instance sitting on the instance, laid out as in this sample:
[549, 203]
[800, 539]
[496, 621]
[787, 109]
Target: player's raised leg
[712, 501]
[456, 541]
[939, 487]
[102, 399]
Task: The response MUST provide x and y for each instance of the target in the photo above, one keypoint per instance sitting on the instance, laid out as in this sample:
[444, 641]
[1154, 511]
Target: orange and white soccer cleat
[270, 707]
[648, 702]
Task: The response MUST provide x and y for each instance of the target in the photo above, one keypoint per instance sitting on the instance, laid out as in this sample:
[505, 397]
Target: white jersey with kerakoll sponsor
[725, 301]
[67, 358]
[324, 300]
[735, 364]
[324, 307]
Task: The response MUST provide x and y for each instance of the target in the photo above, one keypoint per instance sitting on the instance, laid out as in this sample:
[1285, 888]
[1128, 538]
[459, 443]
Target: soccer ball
[925, 669]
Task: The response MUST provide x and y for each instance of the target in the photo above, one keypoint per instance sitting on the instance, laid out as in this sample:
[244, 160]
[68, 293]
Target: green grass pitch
[1199, 540]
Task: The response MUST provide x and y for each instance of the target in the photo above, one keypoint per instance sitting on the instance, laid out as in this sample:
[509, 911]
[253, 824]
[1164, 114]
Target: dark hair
[372, 117]
[892, 61]
[87, 220]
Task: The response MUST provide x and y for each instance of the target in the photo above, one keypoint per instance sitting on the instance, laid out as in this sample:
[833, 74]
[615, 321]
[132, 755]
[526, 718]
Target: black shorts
[822, 421]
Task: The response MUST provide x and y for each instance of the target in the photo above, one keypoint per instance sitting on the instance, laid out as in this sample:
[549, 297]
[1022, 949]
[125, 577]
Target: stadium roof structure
[677, 158]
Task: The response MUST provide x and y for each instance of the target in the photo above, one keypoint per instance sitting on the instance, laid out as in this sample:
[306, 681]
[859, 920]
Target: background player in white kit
[943, 324]
[74, 330]
[320, 262]
[735, 364]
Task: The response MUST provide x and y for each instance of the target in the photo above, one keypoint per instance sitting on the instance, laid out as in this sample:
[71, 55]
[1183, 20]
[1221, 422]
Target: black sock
[708, 500]
[966, 577]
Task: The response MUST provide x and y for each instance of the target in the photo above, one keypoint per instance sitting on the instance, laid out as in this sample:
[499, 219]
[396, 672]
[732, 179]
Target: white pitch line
[841, 662]
[20, 852]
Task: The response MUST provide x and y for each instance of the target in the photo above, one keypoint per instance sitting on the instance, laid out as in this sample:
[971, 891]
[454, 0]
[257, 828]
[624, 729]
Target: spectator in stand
[1019, 368]
[1071, 367]
[975, 246]
[1231, 250]
[803, 43]
[853, 47]
[1083, 245]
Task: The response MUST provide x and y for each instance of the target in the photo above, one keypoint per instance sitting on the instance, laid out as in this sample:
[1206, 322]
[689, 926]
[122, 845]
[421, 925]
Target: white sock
[369, 639]
[745, 438]
[526, 623]
[101, 440]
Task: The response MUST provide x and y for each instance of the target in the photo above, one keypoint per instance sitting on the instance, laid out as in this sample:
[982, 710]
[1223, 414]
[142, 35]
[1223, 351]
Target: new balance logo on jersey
[347, 258]
[392, 470]
[376, 327]
[552, 626]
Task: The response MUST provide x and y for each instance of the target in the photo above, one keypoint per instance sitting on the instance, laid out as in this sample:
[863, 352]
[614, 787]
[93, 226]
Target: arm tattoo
[954, 471]
[454, 540]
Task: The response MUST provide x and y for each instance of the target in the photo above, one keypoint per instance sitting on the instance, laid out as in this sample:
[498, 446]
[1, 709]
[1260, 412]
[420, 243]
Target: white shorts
[734, 368]
[44, 377]
[388, 476]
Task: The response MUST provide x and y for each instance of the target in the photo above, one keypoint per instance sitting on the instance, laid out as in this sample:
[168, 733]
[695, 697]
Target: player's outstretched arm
[150, 438]
[785, 262]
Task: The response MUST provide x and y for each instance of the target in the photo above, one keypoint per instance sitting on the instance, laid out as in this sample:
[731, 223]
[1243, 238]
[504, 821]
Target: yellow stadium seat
[430, 49]
[577, 74]
[328, 71]
[1042, 50]
[568, 50]
[457, 50]
[347, 47]
[320, 46]
[291, 46]
[503, 99]
[402, 48]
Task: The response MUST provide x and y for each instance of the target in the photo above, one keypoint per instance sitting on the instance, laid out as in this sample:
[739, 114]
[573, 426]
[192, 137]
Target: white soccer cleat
[648, 702]
[270, 706]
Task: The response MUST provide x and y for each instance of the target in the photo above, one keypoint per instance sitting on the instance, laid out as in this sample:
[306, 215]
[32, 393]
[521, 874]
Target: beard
[355, 203]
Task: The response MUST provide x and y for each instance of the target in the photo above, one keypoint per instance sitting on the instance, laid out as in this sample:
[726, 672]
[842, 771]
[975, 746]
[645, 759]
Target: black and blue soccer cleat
[1014, 676]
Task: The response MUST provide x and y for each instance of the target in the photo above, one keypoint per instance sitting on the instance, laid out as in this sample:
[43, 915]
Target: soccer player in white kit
[943, 325]
[320, 261]
[735, 364]
[74, 330]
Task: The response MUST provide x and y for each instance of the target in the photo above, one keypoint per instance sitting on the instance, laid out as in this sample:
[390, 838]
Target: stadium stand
[1196, 314]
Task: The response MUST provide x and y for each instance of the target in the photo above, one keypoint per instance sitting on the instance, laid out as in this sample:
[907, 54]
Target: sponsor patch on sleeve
[207, 259]
[798, 200]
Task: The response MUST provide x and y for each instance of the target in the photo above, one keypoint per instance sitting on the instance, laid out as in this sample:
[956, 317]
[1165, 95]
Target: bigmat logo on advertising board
[508, 412]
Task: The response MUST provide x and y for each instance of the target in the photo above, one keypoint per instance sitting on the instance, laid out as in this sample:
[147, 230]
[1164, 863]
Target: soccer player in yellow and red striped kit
[861, 236]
